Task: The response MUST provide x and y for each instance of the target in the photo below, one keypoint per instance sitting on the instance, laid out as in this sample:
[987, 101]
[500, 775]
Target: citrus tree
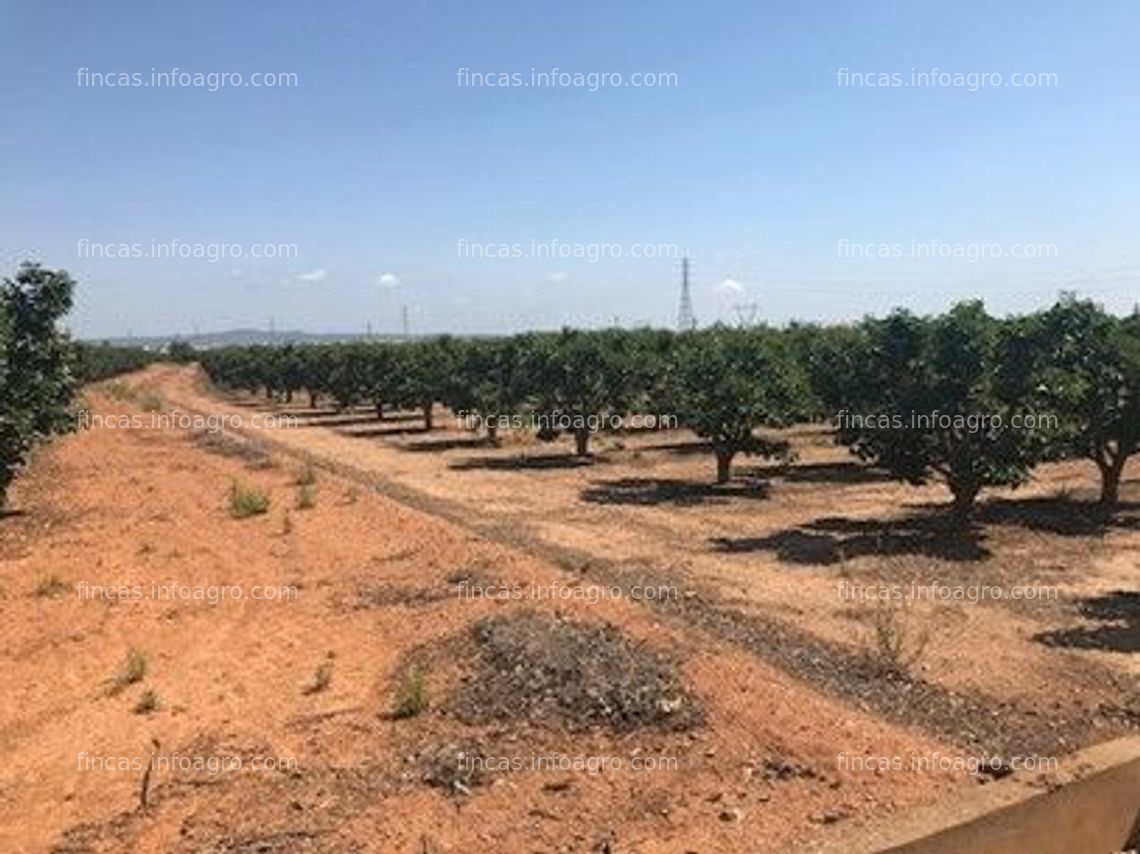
[1086, 372]
[37, 383]
[726, 383]
[927, 402]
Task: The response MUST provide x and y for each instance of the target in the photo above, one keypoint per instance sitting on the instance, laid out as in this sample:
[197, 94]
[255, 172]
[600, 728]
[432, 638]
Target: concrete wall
[1091, 805]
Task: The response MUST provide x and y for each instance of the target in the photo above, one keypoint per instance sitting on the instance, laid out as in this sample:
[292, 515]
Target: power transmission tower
[746, 313]
[686, 321]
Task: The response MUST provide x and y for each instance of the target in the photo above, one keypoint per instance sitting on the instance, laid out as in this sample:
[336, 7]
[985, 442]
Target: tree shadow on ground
[310, 412]
[694, 446]
[1118, 613]
[452, 444]
[524, 463]
[380, 431]
[650, 492]
[11, 513]
[1059, 515]
[846, 472]
[833, 539]
[348, 419]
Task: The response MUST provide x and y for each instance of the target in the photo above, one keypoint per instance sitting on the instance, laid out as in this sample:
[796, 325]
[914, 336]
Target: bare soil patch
[324, 766]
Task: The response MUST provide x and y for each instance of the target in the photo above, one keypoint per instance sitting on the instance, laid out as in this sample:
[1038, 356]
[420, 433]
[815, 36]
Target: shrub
[898, 641]
[133, 671]
[147, 703]
[306, 497]
[306, 474]
[322, 678]
[151, 401]
[411, 697]
[50, 587]
[246, 501]
[118, 390]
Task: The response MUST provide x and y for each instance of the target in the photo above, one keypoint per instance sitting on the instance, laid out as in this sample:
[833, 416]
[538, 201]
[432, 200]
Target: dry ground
[796, 546]
[756, 668]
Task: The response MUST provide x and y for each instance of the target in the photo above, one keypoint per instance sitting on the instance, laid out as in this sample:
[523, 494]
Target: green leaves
[1073, 363]
[947, 370]
[729, 382]
[1084, 367]
[37, 380]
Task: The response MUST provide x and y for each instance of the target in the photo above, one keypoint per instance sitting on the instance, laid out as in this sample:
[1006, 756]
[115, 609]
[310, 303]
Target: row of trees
[96, 362]
[1073, 371]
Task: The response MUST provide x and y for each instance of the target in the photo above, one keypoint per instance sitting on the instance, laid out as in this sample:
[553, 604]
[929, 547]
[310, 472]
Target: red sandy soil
[112, 507]
[641, 504]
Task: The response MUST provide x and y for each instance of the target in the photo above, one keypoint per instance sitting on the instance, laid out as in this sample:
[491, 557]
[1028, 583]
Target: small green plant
[246, 501]
[50, 587]
[151, 401]
[322, 678]
[132, 671]
[147, 703]
[306, 473]
[306, 497]
[411, 695]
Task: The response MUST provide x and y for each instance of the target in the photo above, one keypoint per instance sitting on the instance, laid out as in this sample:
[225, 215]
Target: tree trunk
[581, 441]
[1110, 473]
[289, 396]
[380, 410]
[312, 400]
[427, 416]
[724, 465]
[964, 496]
[493, 432]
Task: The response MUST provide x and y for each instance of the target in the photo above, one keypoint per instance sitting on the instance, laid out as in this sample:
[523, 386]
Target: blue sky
[757, 163]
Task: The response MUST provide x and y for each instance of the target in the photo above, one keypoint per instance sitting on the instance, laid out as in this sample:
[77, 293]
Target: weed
[50, 587]
[133, 670]
[411, 695]
[147, 703]
[119, 390]
[246, 501]
[306, 497]
[897, 642]
[306, 473]
[151, 401]
[322, 678]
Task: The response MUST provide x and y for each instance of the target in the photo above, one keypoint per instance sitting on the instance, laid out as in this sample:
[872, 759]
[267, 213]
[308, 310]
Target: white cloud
[731, 287]
[388, 280]
[558, 276]
[312, 276]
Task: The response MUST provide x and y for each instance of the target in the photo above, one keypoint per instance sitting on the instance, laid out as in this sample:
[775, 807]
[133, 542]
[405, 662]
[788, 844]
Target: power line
[746, 313]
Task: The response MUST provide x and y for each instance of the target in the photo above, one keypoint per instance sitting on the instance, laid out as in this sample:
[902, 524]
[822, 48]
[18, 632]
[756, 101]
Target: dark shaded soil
[544, 670]
[983, 724]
